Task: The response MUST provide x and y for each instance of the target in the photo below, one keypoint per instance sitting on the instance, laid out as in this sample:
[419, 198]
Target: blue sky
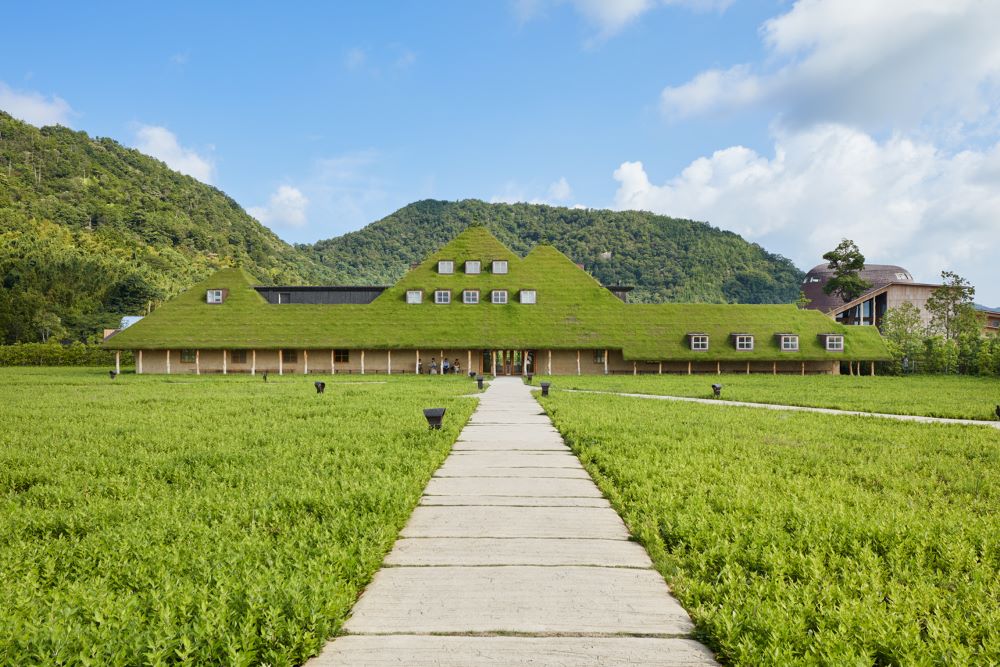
[792, 123]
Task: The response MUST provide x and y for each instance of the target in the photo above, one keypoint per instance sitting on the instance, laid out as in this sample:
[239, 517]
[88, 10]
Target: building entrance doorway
[509, 362]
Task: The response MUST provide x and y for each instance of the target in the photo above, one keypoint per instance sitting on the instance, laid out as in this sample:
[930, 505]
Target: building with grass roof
[486, 310]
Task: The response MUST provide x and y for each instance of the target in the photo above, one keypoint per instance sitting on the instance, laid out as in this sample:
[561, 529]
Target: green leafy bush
[54, 354]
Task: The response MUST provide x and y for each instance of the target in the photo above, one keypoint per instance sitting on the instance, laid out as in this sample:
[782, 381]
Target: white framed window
[499, 296]
[414, 296]
[442, 296]
[500, 266]
[214, 296]
[446, 266]
[528, 296]
[470, 296]
[598, 356]
[789, 343]
[473, 266]
[834, 343]
[699, 342]
[744, 343]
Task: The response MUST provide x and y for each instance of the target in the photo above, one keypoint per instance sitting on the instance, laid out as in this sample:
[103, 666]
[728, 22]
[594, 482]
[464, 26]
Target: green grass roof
[573, 311]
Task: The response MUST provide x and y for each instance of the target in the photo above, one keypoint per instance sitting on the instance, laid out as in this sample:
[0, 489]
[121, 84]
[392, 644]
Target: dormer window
[414, 296]
[473, 266]
[528, 296]
[698, 342]
[442, 296]
[215, 296]
[446, 266]
[499, 296]
[500, 266]
[470, 296]
[743, 342]
[788, 342]
[832, 342]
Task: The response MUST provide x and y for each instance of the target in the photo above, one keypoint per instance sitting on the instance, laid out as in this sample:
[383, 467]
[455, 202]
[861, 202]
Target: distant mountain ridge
[91, 230]
[666, 259]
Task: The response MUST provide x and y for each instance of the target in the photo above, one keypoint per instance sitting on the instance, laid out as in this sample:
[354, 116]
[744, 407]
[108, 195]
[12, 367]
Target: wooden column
[139, 363]
[550, 363]
[197, 362]
[362, 362]
[718, 368]
[524, 362]
[253, 362]
[168, 362]
[748, 368]
[281, 363]
[635, 368]
[803, 368]
[493, 361]
[388, 362]
[333, 362]
[774, 368]
[659, 370]
[689, 368]
[416, 362]
[873, 363]
[578, 362]
[605, 362]
[118, 361]
[468, 367]
[305, 362]
[225, 362]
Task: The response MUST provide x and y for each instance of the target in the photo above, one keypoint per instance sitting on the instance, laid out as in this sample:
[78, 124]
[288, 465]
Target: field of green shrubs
[953, 396]
[201, 520]
[796, 538]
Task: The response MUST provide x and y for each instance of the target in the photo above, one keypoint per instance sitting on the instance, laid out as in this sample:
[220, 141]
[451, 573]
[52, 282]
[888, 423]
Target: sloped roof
[879, 275]
[573, 311]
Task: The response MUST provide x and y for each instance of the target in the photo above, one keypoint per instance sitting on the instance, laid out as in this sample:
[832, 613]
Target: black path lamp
[265, 376]
[530, 377]
[472, 374]
[320, 387]
[717, 390]
[479, 381]
[545, 388]
[112, 374]
[434, 417]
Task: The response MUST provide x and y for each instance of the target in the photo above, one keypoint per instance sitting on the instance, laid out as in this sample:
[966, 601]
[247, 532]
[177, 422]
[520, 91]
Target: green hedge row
[55, 354]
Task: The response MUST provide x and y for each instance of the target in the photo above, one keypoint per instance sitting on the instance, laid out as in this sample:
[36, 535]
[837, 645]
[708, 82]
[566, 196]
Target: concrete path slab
[425, 651]
[513, 537]
[517, 551]
[512, 486]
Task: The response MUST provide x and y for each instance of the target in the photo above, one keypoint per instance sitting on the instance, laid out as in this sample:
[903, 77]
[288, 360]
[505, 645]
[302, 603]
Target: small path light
[530, 377]
[320, 387]
[545, 388]
[265, 376]
[434, 417]
[112, 374]
[479, 381]
[472, 374]
[717, 390]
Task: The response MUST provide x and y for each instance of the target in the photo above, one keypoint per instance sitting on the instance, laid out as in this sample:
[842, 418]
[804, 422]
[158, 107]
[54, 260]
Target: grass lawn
[931, 395]
[206, 520]
[797, 538]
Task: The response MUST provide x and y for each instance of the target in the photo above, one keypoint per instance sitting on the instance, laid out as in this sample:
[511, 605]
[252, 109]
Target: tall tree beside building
[951, 308]
[847, 263]
[903, 330]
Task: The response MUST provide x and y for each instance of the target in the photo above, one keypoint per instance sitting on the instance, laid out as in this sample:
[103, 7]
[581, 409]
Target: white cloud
[355, 58]
[35, 108]
[557, 194]
[876, 65]
[611, 16]
[162, 144]
[286, 207]
[904, 202]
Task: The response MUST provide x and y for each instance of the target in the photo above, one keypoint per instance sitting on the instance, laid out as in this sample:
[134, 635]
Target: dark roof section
[880, 275]
[320, 294]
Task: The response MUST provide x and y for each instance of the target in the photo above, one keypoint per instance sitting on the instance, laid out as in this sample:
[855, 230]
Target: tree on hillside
[847, 263]
[950, 306]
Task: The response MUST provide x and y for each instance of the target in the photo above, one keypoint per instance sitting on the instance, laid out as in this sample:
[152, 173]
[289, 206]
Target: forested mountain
[666, 259]
[91, 230]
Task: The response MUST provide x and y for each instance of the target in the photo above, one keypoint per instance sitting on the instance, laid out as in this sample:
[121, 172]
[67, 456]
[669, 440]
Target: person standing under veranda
[456, 368]
[445, 367]
[434, 366]
[420, 366]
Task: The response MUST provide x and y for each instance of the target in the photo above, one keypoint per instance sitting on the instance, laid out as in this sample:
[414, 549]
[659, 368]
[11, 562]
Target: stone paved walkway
[514, 558]
[797, 408]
